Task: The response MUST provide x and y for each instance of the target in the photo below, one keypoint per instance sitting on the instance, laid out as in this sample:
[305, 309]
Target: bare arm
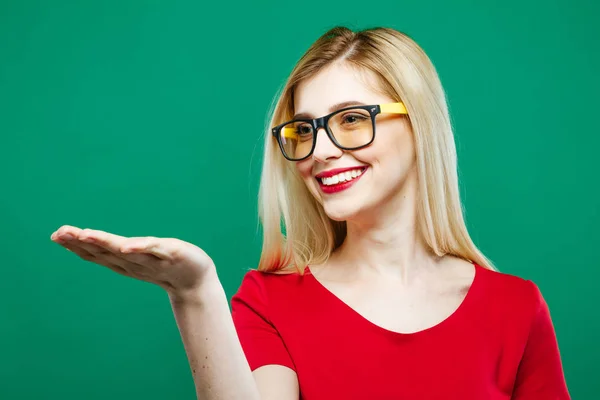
[276, 382]
[218, 363]
[215, 355]
[216, 359]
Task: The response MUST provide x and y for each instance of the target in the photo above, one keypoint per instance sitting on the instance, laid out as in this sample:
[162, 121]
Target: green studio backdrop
[147, 118]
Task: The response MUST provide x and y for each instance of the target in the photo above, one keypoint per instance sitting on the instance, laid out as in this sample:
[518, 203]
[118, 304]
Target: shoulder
[258, 279]
[510, 284]
[527, 339]
[511, 293]
[268, 286]
[268, 297]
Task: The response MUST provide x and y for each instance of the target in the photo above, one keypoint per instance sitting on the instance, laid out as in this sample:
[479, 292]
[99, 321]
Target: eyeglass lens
[351, 128]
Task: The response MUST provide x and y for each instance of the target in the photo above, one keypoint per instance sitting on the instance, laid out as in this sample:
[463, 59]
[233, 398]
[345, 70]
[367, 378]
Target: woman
[376, 291]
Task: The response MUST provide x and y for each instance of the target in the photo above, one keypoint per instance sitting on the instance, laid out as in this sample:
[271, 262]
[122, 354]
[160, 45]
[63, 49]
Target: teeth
[342, 177]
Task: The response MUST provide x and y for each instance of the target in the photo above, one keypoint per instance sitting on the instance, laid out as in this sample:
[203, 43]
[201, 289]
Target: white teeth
[342, 177]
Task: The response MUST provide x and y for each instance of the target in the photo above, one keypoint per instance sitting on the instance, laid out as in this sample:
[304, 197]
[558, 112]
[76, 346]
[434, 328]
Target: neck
[386, 241]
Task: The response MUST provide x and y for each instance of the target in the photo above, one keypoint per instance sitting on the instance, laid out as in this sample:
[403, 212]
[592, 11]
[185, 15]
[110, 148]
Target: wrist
[208, 291]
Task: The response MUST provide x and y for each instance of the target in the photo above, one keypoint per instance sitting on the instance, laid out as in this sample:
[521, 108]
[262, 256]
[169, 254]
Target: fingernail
[67, 236]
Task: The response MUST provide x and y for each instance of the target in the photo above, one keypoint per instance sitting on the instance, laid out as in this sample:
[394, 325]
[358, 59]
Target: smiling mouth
[342, 177]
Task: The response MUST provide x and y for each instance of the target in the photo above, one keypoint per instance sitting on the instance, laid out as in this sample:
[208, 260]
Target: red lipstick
[338, 187]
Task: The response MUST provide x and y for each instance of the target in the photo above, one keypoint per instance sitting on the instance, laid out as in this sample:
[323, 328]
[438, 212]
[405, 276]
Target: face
[375, 175]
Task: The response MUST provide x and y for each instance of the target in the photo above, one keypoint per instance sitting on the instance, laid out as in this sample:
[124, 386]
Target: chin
[340, 211]
[343, 206]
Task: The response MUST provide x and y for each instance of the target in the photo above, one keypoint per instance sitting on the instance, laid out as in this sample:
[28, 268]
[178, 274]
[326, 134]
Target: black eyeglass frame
[323, 122]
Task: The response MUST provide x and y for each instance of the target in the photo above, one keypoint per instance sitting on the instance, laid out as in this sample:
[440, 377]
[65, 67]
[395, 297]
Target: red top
[499, 344]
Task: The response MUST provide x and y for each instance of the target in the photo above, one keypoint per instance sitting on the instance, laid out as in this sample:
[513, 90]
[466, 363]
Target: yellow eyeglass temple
[289, 133]
[393, 108]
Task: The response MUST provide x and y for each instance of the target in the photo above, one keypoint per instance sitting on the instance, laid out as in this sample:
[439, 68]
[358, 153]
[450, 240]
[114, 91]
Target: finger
[65, 232]
[158, 248]
[107, 260]
[115, 262]
[107, 241]
[94, 249]
[97, 251]
[100, 242]
[69, 242]
[129, 261]
[139, 257]
[103, 248]
[120, 245]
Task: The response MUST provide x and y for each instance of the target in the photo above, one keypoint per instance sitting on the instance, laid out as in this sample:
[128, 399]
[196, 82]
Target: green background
[146, 118]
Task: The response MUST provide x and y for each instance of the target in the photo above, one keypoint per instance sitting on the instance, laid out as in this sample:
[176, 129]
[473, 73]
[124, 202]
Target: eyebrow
[333, 108]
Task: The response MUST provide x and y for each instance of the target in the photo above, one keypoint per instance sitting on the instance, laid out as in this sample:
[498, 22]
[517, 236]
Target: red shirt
[499, 344]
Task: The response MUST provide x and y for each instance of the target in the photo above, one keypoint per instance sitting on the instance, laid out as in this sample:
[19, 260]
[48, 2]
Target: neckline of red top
[466, 304]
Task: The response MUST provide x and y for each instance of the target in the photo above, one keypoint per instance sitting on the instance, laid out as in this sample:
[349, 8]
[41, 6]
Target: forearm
[215, 355]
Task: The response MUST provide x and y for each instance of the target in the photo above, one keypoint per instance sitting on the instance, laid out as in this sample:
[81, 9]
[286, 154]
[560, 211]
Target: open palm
[172, 264]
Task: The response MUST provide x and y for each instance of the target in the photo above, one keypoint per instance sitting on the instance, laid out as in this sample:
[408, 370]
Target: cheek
[305, 168]
[393, 146]
[398, 140]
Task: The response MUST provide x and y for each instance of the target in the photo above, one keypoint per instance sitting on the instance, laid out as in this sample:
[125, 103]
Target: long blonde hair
[296, 230]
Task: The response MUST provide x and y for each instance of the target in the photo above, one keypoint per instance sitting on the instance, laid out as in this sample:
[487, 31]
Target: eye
[353, 118]
[304, 130]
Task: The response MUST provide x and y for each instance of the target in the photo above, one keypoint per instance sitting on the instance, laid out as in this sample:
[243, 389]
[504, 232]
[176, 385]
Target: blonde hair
[296, 230]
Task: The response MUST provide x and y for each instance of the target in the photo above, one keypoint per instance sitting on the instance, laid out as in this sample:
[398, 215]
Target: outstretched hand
[177, 266]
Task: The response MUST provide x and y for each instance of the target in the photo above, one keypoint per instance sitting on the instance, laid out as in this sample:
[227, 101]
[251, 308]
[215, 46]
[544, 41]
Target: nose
[325, 149]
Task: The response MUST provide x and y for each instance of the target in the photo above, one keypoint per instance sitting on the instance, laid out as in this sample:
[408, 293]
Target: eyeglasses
[349, 128]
